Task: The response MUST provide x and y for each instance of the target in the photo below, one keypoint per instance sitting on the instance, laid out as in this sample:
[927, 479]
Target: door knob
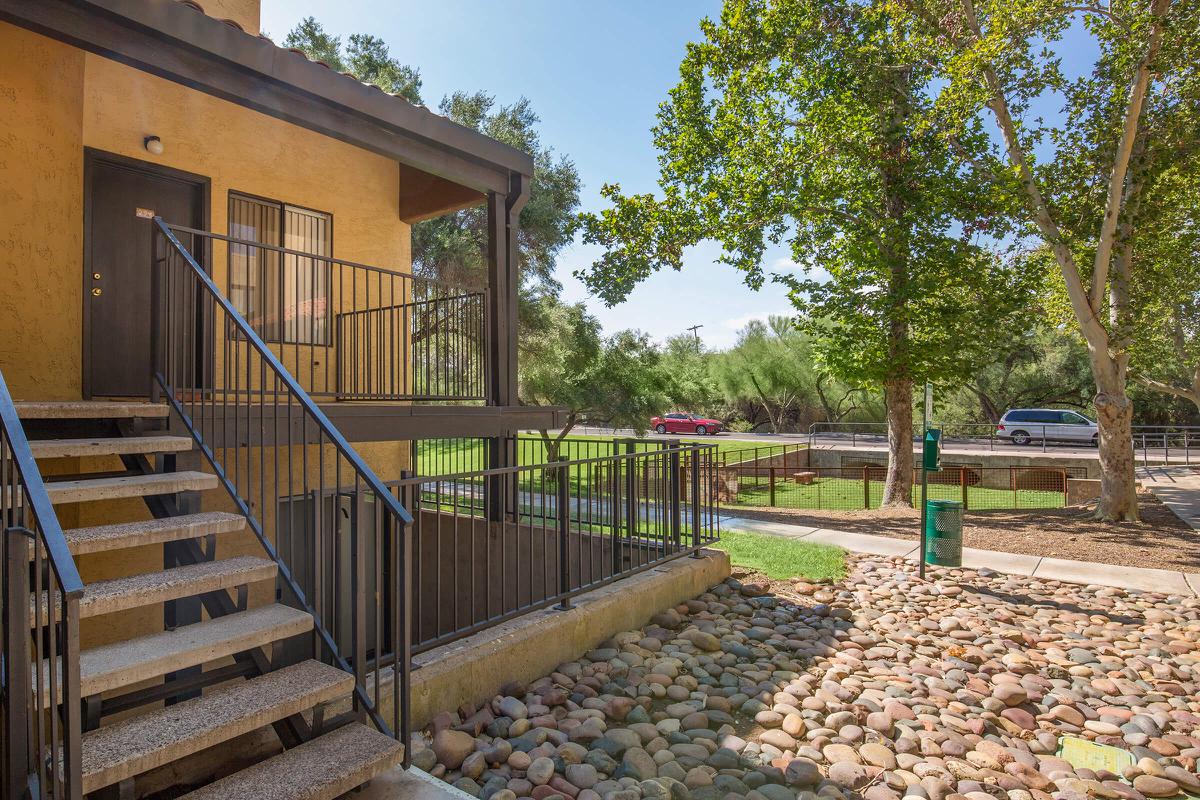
[97, 291]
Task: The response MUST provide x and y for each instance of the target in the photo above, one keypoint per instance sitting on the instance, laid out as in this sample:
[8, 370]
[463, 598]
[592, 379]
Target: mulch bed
[1158, 540]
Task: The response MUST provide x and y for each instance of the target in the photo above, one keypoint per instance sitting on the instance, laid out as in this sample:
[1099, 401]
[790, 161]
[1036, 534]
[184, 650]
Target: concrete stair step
[88, 489]
[123, 749]
[135, 591]
[89, 409]
[120, 664]
[82, 541]
[321, 769]
[109, 446]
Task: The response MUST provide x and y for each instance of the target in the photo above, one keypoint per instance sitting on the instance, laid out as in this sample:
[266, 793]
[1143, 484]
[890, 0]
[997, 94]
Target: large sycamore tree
[800, 123]
[1083, 177]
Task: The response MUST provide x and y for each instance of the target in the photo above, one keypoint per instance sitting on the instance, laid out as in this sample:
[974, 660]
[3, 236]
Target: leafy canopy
[454, 246]
[616, 381]
[797, 123]
[365, 56]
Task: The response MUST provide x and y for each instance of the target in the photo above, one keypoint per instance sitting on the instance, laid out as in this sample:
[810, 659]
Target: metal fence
[433, 457]
[40, 709]
[861, 487]
[1153, 444]
[492, 544]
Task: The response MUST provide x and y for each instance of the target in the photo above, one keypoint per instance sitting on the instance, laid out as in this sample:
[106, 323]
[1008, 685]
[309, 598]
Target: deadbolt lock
[95, 276]
[97, 292]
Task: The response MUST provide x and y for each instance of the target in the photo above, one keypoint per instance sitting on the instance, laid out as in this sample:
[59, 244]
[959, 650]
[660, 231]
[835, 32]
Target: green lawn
[447, 456]
[781, 558]
[847, 494]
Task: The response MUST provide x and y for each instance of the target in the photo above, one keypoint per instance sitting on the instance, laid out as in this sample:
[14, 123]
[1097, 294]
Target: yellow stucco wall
[249, 152]
[41, 215]
[54, 102]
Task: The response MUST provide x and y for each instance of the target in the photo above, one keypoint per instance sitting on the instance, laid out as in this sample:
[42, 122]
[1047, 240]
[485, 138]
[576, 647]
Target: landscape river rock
[881, 687]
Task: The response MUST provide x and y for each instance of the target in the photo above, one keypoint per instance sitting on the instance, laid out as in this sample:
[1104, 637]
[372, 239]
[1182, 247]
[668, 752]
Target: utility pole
[694, 330]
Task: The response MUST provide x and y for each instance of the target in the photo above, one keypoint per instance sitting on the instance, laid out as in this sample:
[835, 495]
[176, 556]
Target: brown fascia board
[89, 24]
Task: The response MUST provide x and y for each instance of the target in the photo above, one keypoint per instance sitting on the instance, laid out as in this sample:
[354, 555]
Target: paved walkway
[1178, 488]
[1086, 572]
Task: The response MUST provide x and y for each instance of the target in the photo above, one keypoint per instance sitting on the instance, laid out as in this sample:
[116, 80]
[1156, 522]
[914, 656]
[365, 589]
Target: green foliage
[797, 122]
[616, 381]
[454, 246]
[688, 366]
[774, 369]
[365, 56]
[1097, 182]
[1039, 367]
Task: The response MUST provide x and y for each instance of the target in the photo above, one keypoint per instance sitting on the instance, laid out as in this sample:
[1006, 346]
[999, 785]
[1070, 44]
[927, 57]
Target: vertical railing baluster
[563, 515]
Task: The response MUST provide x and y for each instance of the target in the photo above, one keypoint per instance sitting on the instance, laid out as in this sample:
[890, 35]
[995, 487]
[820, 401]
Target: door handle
[97, 291]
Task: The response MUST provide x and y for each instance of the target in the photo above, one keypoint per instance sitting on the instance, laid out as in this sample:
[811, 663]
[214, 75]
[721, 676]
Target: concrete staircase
[116, 749]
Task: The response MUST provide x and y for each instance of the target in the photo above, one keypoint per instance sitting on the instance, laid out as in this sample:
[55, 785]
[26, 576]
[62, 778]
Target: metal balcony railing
[343, 330]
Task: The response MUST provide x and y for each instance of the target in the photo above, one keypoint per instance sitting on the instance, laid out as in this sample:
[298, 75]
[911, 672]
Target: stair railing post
[358, 594]
[16, 654]
[406, 593]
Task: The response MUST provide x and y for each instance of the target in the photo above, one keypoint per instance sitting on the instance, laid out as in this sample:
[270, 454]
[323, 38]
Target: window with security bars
[284, 296]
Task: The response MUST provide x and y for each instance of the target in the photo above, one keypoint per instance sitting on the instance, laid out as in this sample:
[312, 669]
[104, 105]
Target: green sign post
[931, 454]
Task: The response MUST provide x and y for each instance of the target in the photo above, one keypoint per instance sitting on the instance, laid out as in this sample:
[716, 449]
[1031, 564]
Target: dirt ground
[1159, 540]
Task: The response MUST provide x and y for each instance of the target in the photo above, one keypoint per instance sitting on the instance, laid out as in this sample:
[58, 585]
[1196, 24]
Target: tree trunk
[1114, 412]
[897, 490]
[553, 443]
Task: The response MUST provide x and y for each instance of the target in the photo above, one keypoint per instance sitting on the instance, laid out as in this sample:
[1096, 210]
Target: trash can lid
[947, 504]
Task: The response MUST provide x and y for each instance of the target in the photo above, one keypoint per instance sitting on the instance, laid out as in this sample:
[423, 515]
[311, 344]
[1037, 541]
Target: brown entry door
[122, 194]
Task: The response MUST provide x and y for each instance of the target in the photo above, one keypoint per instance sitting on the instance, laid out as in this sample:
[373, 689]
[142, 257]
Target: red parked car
[685, 423]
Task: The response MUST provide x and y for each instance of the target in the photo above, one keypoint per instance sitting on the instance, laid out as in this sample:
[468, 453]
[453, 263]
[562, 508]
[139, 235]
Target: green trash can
[943, 532]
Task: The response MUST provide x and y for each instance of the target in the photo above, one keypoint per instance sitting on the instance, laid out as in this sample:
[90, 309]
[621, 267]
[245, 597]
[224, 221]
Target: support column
[503, 213]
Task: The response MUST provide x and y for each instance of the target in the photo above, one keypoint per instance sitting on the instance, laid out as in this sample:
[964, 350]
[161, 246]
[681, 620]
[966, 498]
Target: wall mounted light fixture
[153, 144]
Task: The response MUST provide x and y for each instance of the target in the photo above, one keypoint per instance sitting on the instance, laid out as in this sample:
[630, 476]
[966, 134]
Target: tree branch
[1107, 13]
[1129, 135]
[1167, 388]
[1090, 324]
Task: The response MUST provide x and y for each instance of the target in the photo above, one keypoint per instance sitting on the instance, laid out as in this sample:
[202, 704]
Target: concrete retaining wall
[530, 646]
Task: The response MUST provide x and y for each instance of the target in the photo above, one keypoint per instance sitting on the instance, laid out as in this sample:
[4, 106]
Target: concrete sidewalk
[1061, 569]
[1178, 488]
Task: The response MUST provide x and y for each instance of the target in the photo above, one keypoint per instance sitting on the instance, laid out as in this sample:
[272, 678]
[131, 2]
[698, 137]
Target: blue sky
[595, 72]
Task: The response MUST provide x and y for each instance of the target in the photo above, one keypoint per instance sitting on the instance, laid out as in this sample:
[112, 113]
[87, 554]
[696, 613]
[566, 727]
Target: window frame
[328, 341]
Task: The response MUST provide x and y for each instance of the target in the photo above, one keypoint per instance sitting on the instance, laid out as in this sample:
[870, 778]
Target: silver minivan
[1025, 425]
